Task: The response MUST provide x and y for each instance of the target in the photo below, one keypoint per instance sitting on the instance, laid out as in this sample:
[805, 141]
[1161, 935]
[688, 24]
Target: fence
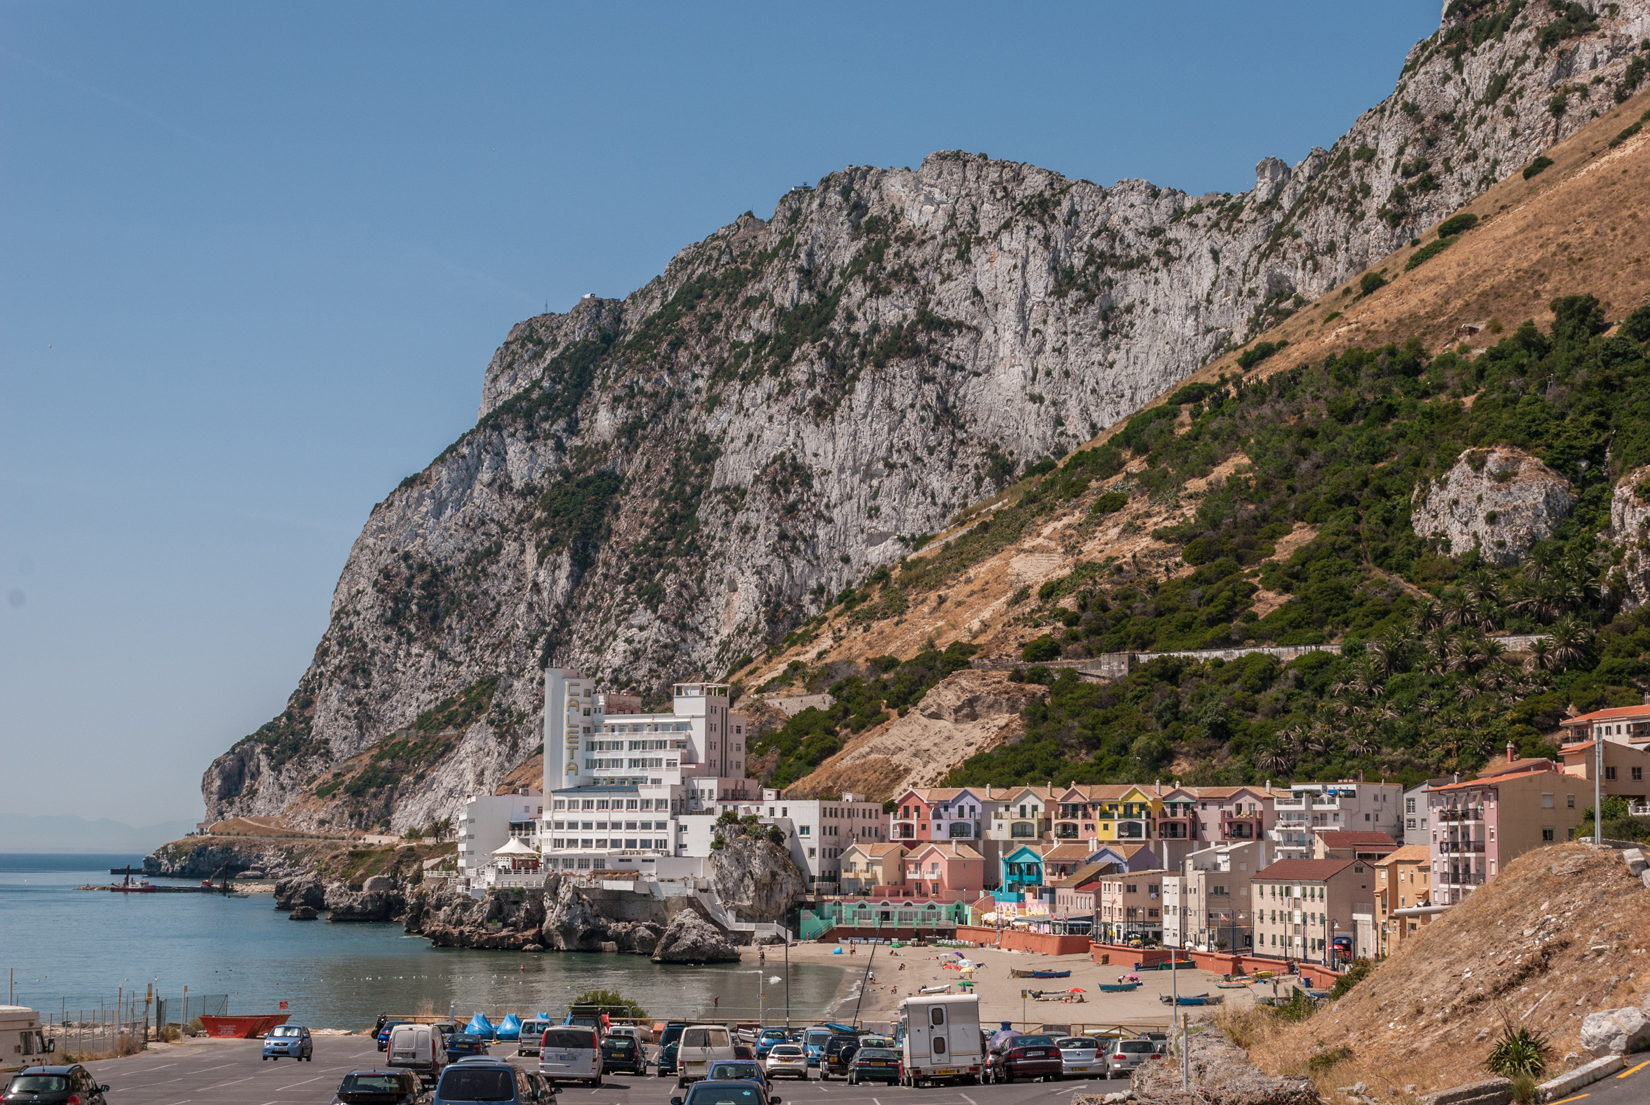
[123, 1025]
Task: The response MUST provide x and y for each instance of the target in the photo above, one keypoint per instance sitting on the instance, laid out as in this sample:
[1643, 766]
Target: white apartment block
[819, 830]
[633, 791]
[1349, 806]
[487, 821]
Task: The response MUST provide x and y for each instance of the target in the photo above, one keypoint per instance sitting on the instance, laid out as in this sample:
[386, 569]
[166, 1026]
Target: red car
[1028, 1057]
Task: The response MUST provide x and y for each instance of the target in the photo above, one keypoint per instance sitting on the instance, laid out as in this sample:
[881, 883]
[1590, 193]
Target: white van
[570, 1053]
[701, 1045]
[942, 1038]
[418, 1047]
[22, 1038]
[532, 1033]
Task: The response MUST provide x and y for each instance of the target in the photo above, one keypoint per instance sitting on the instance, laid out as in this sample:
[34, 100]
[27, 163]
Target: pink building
[942, 813]
[944, 870]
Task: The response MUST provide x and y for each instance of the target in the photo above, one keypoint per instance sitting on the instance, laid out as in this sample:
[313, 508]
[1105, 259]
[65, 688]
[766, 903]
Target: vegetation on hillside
[1422, 687]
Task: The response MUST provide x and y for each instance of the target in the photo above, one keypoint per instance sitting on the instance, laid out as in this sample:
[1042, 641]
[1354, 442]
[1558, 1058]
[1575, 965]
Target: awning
[514, 847]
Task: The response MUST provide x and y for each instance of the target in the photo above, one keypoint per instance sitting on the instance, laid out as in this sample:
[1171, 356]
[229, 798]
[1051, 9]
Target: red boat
[127, 886]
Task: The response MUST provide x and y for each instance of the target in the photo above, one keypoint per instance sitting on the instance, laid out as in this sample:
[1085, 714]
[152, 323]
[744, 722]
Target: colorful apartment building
[1625, 768]
[1301, 907]
[1482, 824]
[1130, 906]
[1024, 816]
[1076, 898]
[943, 813]
[1619, 724]
[1211, 815]
[947, 870]
[1403, 881]
[867, 866]
[1346, 805]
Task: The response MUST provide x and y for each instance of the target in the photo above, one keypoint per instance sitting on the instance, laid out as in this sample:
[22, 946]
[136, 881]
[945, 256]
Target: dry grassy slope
[1583, 225]
[1561, 933]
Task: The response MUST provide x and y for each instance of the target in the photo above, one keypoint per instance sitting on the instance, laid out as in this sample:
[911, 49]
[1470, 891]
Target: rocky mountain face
[1500, 501]
[659, 485]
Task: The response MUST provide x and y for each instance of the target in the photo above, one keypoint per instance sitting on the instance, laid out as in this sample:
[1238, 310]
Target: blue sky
[253, 259]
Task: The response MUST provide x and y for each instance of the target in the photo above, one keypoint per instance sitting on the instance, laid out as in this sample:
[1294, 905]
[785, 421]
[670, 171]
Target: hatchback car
[1081, 1057]
[381, 1087]
[1125, 1055]
[726, 1093]
[874, 1064]
[622, 1055]
[289, 1041]
[737, 1070]
[495, 1082]
[786, 1061]
[464, 1044]
[1029, 1057]
[766, 1039]
[58, 1085]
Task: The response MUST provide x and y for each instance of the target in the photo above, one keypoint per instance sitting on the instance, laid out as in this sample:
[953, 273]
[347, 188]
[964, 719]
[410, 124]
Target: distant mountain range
[65, 832]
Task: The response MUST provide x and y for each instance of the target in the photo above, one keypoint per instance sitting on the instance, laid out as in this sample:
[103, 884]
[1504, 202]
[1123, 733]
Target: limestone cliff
[659, 485]
[1500, 501]
[1630, 529]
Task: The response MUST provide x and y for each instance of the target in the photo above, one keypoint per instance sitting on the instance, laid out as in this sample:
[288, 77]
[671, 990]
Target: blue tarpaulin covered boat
[480, 1026]
[510, 1028]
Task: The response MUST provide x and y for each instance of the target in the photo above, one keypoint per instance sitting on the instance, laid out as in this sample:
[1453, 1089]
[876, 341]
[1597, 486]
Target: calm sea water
[69, 949]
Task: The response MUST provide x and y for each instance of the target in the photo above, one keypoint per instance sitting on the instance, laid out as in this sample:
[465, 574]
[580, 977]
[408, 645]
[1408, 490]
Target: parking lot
[231, 1072]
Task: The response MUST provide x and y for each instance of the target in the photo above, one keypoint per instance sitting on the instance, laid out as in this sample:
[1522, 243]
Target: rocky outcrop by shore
[754, 878]
[379, 898]
[560, 917]
[692, 939]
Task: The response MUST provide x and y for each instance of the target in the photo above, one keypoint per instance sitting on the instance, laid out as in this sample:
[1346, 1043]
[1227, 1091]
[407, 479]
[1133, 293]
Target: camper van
[701, 1045]
[941, 1038]
[21, 1039]
[421, 1048]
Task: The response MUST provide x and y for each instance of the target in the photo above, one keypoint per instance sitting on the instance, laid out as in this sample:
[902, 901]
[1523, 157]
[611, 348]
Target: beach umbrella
[1076, 990]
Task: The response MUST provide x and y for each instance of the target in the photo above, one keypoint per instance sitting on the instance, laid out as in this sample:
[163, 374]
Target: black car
[666, 1063]
[839, 1052]
[54, 1086]
[381, 1087]
[874, 1064]
[1036, 1058]
[727, 1093]
[622, 1054]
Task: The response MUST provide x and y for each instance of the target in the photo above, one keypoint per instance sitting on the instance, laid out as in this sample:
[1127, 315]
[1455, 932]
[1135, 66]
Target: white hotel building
[628, 791]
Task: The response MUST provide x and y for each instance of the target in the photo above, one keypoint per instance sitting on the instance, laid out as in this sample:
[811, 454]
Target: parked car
[289, 1041]
[786, 1061]
[420, 1048]
[1124, 1055]
[495, 1082]
[381, 1087]
[571, 1053]
[737, 1070]
[1081, 1057]
[839, 1052]
[742, 1051]
[532, 1033]
[814, 1041]
[700, 1046]
[727, 1093]
[666, 1063]
[57, 1085]
[874, 1064]
[462, 1045]
[766, 1039]
[1029, 1057]
[541, 1086]
[622, 1054]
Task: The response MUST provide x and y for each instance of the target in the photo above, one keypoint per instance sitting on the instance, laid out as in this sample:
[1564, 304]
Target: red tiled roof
[1409, 853]
[1347, 838]
[1492, 780]
[1528, 763]
[1641, 711]
[1305, 870]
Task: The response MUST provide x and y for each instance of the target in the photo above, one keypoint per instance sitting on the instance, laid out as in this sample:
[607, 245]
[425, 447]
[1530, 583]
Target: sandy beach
[900, 973]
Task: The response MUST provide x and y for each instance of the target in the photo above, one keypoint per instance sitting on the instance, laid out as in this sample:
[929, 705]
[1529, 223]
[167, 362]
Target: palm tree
[1428, 615]
[1570, 641]
[1540, 655]
[1272, 758]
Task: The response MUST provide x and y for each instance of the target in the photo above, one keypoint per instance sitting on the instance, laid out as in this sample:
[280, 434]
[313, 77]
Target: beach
[901, 972]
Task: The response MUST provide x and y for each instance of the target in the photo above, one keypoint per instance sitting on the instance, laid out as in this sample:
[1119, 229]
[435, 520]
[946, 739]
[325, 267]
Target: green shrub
[1371, 283]
[1524, 1090]
[1520, 1051]
[1360, 970]
[1626, 133]
[1110, 503]
[1042, 648]
[1249, 358]
[1539, 165]
[1321, 1061]
[1331, 316]
[1457, 224]
[1637, 325]
[1427, 253]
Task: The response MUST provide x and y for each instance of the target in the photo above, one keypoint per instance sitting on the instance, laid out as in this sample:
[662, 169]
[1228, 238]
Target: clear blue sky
[253, 259]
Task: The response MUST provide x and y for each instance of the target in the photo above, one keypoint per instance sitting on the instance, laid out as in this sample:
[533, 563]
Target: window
[1409, 805]
[1547, 833]
[1570, 799]
[1610, 774]
[1638, 774]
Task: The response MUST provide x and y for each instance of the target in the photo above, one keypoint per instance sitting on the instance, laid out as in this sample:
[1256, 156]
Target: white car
[786, 1061]
[1081, 1057]
[571, 1053]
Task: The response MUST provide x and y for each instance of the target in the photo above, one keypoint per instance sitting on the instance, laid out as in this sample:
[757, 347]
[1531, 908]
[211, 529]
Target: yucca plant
[1520, 1052]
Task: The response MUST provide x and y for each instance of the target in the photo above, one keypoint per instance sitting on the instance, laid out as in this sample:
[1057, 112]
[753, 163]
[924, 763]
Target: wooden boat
[1232, 985]
[1192, 999]
[1050, 974]
[1118, 987]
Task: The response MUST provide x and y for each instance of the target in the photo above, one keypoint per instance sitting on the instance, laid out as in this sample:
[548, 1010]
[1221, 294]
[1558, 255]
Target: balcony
[1461, 878]
[1461, 847]
[1460, 815]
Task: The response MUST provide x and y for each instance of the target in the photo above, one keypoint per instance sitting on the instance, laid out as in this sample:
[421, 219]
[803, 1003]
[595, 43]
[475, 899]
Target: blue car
[464, 1045]
[766, 1039]
[289, 1041]
[496, 1082]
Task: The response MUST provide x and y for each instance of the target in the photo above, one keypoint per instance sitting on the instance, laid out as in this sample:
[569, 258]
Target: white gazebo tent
[516, 856]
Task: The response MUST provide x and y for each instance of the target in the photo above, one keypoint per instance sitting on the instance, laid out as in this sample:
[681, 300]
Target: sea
[63, 950]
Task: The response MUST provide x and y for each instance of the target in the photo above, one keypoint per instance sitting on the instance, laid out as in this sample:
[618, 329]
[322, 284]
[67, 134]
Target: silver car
[1125, 1055]
[1080, 1057]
